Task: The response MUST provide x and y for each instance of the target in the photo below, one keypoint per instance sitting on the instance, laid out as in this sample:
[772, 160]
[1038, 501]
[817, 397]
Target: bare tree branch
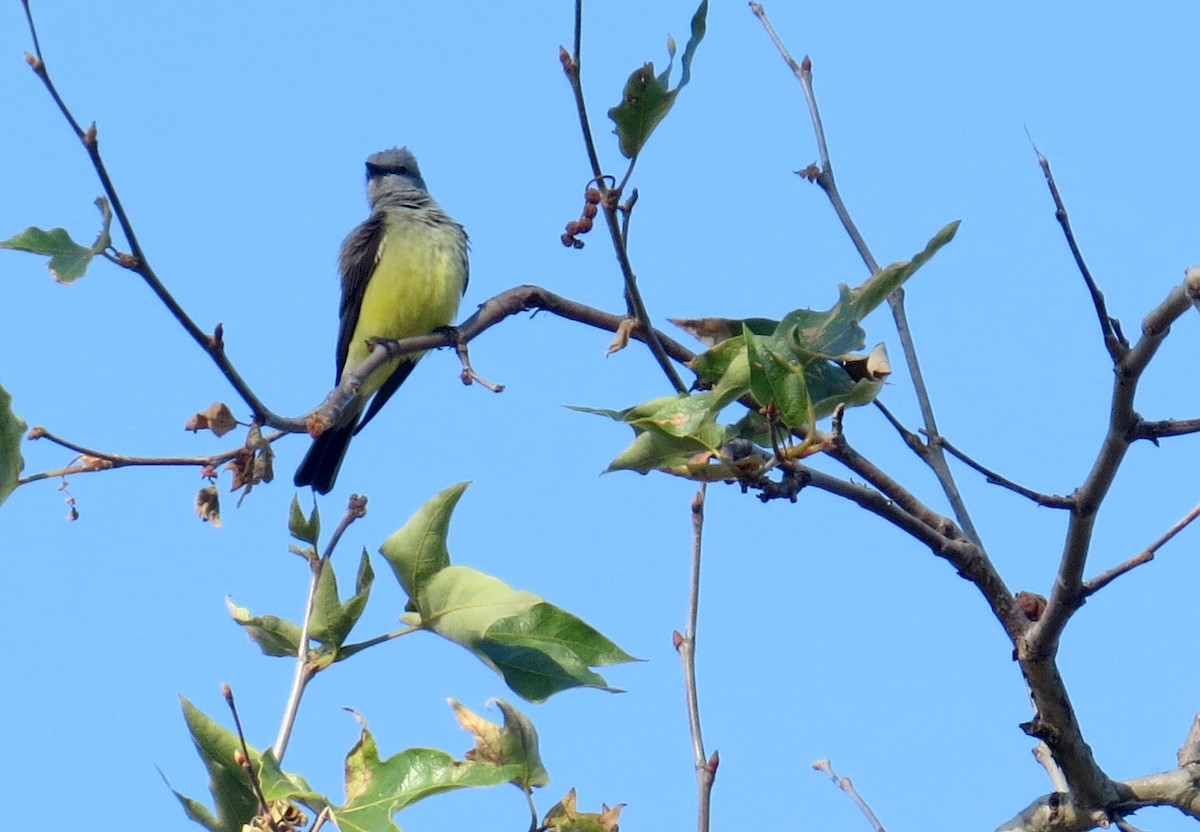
[1114, 339]
[845, 785]
[685, 645]
[103, 460]
[1145, 556]
[1060, 812]
[136, 261]
[1165, 428]
[1068, 594]
[1046, 500]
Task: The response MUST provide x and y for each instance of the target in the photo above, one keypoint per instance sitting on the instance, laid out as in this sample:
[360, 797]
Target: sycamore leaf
[232, 793]
[217, 417]
[305, 529]
[647, 98]
[12, 429]
[537, 648]
[332, 618]
[274, 636]
[712, 331]
[418, 551]
[514, 743]
[377, 789]
[875, 289]
[564, 816]
[68, 259]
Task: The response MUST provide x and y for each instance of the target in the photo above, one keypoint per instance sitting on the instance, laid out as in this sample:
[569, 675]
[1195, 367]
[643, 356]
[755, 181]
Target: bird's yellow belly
[415, 289]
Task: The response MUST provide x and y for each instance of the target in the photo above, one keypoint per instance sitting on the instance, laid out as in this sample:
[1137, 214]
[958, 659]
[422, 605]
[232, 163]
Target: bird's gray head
[392, 171]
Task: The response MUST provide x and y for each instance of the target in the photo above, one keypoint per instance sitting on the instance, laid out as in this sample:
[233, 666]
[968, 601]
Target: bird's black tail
[320, 465]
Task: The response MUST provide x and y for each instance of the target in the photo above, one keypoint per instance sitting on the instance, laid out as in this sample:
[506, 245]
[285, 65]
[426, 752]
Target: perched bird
[403, 273]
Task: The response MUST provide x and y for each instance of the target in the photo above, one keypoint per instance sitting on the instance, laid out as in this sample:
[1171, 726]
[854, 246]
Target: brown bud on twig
[568, 63]
[812, 173]
[676, 639]
[1032, 604]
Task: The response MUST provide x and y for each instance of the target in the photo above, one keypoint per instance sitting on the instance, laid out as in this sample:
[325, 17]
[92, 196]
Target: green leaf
[780, 379]
[12, 429]
[713, 331]
[565, 816]
[549, 625]
[514, 743]
[652, 450]
[68, 259]
[476, 611]
[536, 672]
[547, 650]
[232, 793]
[875, 289]
[648, 98]
[538, 648]
[378, 789]
[332, 620]
[274, 636]
[418, 551]
[808, 334]
[460, 603]
[305, 529]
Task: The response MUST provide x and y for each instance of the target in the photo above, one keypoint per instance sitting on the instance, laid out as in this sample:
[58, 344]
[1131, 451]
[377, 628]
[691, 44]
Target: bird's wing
[360, 253]
[390, 386]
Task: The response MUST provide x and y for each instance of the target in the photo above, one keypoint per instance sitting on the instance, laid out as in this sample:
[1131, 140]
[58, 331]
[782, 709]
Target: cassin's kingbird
[403, 273]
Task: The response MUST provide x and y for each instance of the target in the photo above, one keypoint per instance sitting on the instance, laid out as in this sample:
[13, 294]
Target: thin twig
[633, 297]
[1165, 428]
[1058, 782]
[469, 375]
[845, 785]
[533, 812]
[1145, 556]
[912, 440]
[248, 765]
[1046, 500]
[904, 510]
[321, 820]
[825, 179]
[686, 646]
[1114, 340]
[1126, 826]
[104, 460]
[305, 671]
[137, 261]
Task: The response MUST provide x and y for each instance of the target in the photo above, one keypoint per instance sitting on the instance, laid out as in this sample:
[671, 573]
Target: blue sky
[236, 138]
